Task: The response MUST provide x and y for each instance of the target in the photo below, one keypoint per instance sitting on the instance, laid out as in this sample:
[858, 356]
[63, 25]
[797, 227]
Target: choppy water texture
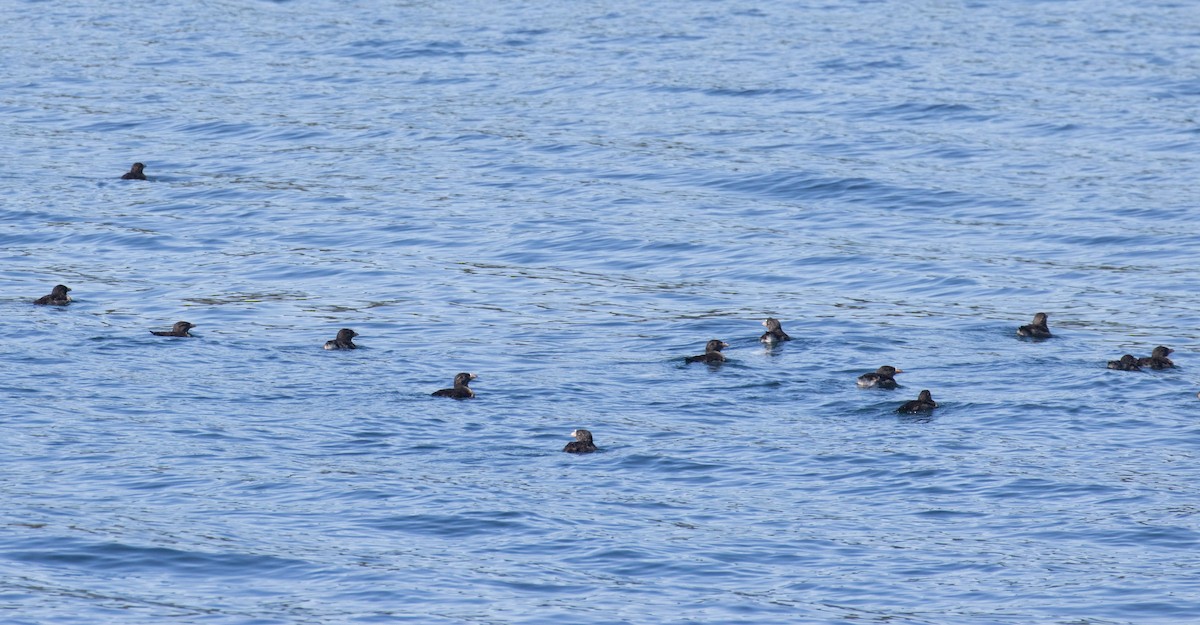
[567, 199]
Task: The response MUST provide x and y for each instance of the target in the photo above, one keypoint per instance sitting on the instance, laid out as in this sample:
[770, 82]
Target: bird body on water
[460, 390]
[135, 172]
[57, 297]
[344, 340]
[1125, 363]
[582, 444]
[882, 377]
[179, 329]
[712, 353]
[1158, 358]
[923, 403]
[1037, 330]
[774, 333]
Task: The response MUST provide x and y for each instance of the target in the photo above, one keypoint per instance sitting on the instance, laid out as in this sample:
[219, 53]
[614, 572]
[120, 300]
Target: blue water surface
[566, 199]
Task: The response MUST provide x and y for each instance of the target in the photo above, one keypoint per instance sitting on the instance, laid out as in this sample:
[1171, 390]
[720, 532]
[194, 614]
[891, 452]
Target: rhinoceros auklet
[57, 297]
[1125, 363]
[774, 333]
[135, 172]
[582, 444]
[1037, 330]
[179, 329]
[712, 352]
[460, 390]
[343, 340]
[880, 378]
[1158, 358]
[923, 403]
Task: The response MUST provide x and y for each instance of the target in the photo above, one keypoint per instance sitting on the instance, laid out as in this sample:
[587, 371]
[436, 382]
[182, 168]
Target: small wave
[112, 556]
[407, 49]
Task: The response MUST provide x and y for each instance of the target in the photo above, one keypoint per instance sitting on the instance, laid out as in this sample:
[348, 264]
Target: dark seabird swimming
[135, 172]
[712, 352]
[179, 329]
[460, 390]
[343, 340]
[57, 297]
[1038, 329]
[1126, 363]
[880, 378]
[1158, 358]
[774, 333]
[582, 444]
[923, 403]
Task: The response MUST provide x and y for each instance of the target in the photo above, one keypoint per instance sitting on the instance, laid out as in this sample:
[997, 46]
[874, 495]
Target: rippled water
[566, 199]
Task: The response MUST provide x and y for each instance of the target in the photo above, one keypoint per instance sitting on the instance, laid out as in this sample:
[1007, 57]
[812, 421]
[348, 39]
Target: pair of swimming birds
[1156, 360]
[884, 377]
[712, 350]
